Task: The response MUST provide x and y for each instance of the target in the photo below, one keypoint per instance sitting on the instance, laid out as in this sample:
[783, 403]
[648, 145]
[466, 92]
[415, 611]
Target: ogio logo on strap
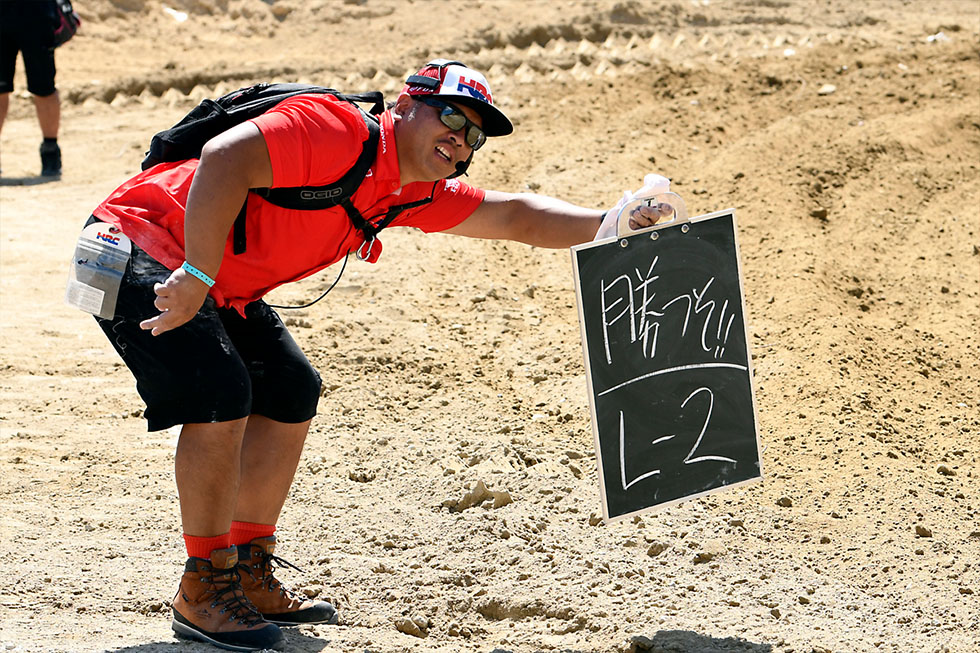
[321, 194]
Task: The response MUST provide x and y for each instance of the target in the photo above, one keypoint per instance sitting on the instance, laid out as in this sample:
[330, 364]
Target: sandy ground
[454, 362]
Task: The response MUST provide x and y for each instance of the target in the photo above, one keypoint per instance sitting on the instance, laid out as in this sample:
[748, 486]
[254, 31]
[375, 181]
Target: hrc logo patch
[112, 240]
[474, 88]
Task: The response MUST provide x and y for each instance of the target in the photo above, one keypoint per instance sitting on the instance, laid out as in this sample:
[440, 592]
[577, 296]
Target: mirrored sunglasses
[455, 119]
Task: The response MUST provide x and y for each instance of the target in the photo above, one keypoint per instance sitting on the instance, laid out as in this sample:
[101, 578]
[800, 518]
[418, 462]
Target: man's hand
[641, 216]
[647, 216]
[178, 300]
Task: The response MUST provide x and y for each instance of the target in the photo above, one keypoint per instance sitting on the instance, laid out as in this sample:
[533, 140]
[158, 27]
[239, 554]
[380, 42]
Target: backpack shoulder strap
[311, 198]
[375, 98]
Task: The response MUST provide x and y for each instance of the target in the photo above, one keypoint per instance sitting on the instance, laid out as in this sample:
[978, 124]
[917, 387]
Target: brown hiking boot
[275, 602]
[210, 606]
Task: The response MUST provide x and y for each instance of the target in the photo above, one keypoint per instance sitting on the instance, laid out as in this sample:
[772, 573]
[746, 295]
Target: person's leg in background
[48, 109]
[36, 48]
[8, 60]
[4, 107]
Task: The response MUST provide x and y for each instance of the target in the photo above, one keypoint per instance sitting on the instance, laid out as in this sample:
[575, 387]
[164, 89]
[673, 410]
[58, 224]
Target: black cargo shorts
[217, 367]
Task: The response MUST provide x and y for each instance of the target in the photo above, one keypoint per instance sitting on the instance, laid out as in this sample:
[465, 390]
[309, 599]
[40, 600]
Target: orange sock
[243, 532]
[201, 547]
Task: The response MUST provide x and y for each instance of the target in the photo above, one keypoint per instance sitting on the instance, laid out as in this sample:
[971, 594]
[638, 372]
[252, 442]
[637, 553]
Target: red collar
[387, 174]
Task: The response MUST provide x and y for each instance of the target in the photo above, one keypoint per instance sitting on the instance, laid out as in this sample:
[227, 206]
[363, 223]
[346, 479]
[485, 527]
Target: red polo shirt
[312, 140]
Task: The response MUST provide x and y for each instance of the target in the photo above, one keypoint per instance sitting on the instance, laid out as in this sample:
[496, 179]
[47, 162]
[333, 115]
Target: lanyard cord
[370, 230]
[340, 274]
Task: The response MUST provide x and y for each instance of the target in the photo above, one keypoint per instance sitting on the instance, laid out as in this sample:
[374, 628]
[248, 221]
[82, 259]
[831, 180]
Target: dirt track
[454, 361]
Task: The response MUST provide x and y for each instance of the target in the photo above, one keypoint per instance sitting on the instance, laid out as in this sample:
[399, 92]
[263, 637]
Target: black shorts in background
[217, 367]
[27, 26]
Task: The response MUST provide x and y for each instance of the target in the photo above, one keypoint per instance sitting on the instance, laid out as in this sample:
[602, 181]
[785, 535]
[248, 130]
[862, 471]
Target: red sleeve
[452, 202]
[312, 139]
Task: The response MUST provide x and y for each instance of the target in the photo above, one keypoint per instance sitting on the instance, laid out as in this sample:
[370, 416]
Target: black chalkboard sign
[668, 367]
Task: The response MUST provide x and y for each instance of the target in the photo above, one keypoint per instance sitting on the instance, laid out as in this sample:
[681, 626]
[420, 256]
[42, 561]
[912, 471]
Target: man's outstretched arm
[542, 221]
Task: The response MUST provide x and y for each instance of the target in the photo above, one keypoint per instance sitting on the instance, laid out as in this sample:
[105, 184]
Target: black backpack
[187, 138]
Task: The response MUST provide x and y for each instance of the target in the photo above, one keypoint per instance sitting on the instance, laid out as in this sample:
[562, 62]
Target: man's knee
[289, 395]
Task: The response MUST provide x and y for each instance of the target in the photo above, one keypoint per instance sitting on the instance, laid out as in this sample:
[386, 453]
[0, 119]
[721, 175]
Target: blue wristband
[197, 273]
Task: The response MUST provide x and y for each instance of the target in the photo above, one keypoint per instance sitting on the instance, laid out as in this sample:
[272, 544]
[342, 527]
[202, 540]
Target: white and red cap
[452, 81]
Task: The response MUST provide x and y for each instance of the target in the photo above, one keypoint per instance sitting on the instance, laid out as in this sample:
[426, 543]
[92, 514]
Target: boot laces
[225, 590]
[267, 565]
